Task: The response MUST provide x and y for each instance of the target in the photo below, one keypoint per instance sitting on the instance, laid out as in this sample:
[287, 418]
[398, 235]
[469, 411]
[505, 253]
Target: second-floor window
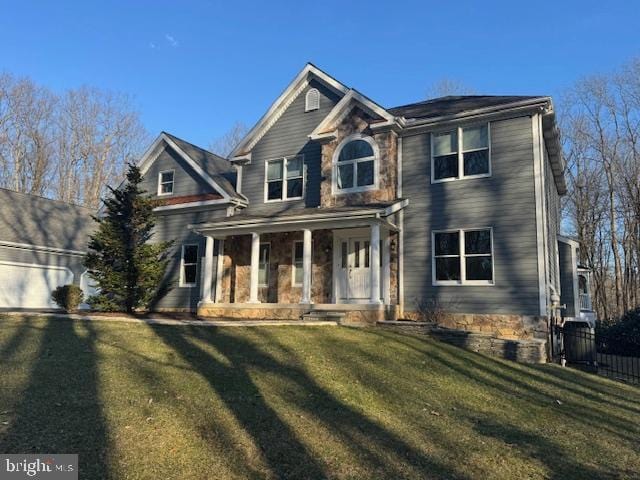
[462, 152]
[165, 182]
[355, 165]
[284, 179]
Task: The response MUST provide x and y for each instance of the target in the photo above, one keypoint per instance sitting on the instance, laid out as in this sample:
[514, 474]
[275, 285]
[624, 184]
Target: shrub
[68, 297]
[434, 310]
[626, 330]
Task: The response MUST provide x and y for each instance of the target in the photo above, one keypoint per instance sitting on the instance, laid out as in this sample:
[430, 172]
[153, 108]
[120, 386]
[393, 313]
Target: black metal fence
[578, 345]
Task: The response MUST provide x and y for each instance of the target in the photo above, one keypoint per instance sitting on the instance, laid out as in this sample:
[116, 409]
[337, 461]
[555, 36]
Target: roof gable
[297, 86]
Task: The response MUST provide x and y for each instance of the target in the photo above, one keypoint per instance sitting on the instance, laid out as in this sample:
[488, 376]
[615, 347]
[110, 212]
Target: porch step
[331, 315]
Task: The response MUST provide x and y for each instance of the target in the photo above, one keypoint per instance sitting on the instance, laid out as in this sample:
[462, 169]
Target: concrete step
[332, 315]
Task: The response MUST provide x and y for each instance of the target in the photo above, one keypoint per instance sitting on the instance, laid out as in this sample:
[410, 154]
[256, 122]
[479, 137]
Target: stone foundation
[510, 327]
[527, 350]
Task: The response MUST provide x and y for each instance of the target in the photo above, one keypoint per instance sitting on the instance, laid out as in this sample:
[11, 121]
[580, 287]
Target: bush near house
[625, 333]
[68, 297]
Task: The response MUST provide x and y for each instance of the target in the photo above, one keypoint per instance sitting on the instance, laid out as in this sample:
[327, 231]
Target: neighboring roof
[37, 221]
[243, 149]
[455, 104]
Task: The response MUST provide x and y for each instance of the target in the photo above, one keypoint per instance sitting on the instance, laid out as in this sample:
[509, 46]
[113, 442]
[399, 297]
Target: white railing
[585, 302]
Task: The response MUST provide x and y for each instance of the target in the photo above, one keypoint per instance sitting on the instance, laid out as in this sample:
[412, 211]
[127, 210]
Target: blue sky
[196, 67]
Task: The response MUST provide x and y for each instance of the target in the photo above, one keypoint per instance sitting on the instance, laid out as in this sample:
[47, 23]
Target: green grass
[139, 401]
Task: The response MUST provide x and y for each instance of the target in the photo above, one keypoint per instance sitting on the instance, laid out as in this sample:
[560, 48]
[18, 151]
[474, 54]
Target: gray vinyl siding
[567, 295]
[35, 257]
[186, 181]
[174, 226]
[289, 136]
[553, 222]
[505, 201]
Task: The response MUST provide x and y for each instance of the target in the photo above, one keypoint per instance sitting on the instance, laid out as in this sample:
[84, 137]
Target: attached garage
[42, 246]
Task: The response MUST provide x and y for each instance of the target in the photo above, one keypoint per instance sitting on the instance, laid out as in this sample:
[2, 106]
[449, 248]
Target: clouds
[169, 40]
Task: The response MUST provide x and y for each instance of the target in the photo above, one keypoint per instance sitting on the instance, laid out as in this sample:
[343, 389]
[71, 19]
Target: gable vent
[312, 100]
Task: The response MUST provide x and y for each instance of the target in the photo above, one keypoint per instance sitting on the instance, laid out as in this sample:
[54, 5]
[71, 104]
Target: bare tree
[224, 144]
[449, 86]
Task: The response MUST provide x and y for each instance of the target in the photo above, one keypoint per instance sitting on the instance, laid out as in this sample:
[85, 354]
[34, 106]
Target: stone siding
[358, 122]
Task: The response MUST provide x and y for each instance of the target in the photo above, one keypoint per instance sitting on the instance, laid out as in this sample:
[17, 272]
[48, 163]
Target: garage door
[30, 286]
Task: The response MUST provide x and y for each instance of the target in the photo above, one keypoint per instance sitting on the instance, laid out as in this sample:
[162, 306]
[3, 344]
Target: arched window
[355, 164]
[312, 100]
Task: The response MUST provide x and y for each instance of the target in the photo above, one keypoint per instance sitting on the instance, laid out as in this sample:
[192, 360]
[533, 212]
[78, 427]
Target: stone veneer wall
[358, 122]
[237, 268]
[501, 326]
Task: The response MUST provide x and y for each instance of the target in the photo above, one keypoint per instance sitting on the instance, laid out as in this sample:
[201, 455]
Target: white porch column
[219, 270]
[386, 267]
[255, 260]
[207, 282]
[306, 267]
[375, 263]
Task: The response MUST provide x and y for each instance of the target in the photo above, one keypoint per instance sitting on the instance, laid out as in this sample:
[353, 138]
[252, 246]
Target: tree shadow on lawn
[59, 411]
[16, 340]
[285, 454]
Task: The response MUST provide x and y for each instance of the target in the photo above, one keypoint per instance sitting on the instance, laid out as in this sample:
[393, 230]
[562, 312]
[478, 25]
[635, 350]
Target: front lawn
[145, 402]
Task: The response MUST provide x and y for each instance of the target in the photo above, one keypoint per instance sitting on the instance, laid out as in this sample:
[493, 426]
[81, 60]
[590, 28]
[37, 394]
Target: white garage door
[30, 286]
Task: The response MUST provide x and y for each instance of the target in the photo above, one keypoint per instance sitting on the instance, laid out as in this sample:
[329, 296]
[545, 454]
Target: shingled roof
[454, 104]
[38, 221]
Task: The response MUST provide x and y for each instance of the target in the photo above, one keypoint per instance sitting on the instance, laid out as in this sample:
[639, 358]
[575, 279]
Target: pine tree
[126, 266]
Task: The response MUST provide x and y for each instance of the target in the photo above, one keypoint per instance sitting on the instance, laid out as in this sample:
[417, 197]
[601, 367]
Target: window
[463, 257]
[312, 100]
[284, 179]
[263, 265]
[165, 182]
[355, 168]
[460, 153]
[298, 263]
[189, 270]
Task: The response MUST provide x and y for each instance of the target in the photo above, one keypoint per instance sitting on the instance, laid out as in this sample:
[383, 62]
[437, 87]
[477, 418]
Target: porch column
[386, 267]
[255, 260]
[306, 267]
[207, 282]
[375, 263]
[219, 270]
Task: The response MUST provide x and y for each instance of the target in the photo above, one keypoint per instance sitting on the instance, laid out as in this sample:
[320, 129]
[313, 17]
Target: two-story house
[333, 203]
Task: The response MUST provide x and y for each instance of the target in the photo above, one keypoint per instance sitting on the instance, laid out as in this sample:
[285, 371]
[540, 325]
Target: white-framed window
[463, 257]
[165, 182]
[284, 179]
[312, 100]
[297, 263]
[355, 166]
[189, 266]
[462, 152]
[263, 264]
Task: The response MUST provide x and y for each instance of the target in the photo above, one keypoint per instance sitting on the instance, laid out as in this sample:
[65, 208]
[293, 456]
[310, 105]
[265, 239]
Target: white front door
[354, 272]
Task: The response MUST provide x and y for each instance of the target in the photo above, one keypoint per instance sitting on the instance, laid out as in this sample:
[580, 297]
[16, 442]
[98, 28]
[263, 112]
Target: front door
[354, 276]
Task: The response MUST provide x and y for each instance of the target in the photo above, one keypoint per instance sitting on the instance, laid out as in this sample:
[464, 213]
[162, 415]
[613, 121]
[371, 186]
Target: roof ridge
[42, 197]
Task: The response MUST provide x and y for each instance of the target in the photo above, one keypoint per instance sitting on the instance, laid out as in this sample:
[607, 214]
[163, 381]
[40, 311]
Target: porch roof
[306, 218]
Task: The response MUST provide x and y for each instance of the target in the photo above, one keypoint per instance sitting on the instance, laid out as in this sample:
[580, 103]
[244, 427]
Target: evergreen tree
[128, 269]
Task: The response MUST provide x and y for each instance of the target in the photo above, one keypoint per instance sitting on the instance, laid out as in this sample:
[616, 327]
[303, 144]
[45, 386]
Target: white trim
[293, 263]
[399, 187]
[42, 266]
[52, 250]
[576, 283]
[460, 153]
[307, 266]
[462, 256]
[278, 107]
[539, 197]
[182, 283]
[268, 272]
[161, 183]
[149, 157]
[285, 168]
[201, 203]
[311, 104]
[327, 127]
[335, 190]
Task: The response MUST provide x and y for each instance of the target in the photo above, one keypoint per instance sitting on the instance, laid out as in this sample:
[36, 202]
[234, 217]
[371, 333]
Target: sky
[194, 68]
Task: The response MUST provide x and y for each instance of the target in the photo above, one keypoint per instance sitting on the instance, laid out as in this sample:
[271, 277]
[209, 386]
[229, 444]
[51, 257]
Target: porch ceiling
[308, 218]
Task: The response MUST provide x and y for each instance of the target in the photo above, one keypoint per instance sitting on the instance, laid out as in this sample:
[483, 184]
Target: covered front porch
[343, 261]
